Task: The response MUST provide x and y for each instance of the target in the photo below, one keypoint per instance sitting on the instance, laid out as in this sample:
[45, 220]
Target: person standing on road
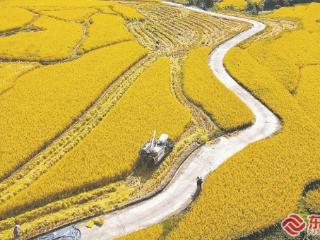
[16, 231]
[199, 182]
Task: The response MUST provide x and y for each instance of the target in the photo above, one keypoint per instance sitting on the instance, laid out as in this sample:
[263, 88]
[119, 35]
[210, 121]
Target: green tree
[205, 4]
[253, 7]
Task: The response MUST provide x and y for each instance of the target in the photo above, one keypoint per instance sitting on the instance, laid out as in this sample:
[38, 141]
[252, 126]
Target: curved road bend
[178, 194]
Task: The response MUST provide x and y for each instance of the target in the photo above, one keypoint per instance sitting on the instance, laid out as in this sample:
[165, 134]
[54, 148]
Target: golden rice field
[200, 85]
[13, 18]
[104, 30]
[152, 233]
[262, 184]
[82, 86]
[48, 39]
[30, 94]
[312, 200]
[106, 160]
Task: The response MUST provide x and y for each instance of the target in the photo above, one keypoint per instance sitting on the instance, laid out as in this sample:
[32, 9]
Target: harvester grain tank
[154, 151]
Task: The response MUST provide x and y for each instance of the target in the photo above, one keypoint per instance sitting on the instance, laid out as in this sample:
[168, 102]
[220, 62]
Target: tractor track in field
[50, 153]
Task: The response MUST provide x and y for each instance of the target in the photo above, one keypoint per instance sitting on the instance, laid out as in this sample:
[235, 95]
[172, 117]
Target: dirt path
[178, 194]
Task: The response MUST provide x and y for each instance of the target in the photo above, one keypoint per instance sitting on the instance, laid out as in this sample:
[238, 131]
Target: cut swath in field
[170, 30]
[83, 205]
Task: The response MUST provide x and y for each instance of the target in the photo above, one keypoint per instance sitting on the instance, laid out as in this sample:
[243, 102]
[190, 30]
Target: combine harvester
[153, 152]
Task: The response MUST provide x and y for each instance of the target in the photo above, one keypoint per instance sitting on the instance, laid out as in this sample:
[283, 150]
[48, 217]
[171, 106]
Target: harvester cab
[154, 151]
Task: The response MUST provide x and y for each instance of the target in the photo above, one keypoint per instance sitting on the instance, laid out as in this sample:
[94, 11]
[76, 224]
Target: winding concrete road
[178, 194]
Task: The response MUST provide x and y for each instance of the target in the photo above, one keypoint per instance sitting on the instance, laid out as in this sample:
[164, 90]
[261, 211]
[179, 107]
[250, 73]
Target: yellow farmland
[14, 18]
[78, 15]
[55, 100]
[312, 200]
[262, 184]
[83, 84]
[68, 81]
[10, 72]
[126, 12]
[51, 39]
[152, 233]
[105, 29]
[201, 86]
[308, 91]
[114, 151]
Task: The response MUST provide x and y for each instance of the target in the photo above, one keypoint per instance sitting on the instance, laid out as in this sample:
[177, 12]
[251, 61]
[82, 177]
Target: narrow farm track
[178, 194]
[33, 168]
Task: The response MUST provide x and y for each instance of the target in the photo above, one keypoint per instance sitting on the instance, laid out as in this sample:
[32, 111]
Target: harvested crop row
[67, 210]
[115, 140]
[270, 174]
[33, 112]
[172, 29]
[201, 86]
